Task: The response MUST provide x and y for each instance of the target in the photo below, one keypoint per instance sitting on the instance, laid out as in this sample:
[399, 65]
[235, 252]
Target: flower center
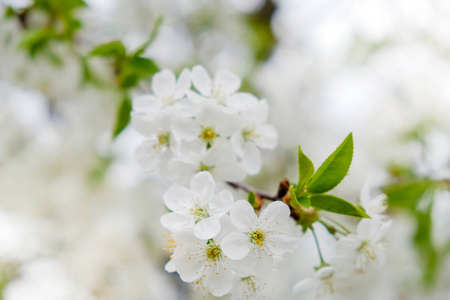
[258, 237]
[208, 134]
[204, 168]
[250, 283]
[367, 249]
[199, 213]
[164, 139]
[249, 134]
[213, 252]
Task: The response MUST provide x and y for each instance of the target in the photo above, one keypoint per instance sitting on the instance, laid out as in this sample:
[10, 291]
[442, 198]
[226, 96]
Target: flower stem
[322, 261]
[247, 189]
[348, 231]
[331, 229]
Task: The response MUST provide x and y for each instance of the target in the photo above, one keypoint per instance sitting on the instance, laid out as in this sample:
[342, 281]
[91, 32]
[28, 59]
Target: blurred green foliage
[414, 193]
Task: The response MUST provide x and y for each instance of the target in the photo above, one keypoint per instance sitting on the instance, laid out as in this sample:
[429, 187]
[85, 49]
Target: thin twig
[247, 189]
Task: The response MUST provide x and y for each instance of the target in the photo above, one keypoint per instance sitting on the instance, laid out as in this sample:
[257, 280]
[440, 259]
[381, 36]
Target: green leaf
[334, 168]
[336, 205]
[406, 195]
[36, 40]
[305, 170]
[153, 35]
[252, 199]
[114, 49]
[123, 115]
[298, 201]
[292, 196]
[304, 201]
[135, 69]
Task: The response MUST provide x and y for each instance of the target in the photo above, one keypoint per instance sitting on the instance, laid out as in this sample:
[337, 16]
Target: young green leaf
[252, 199]
[123, 115]
[136, 68]
[334, 168]
[114, 49]
[298, 201]
[336, 205]
[153, 35]
[292, 196]
[305, 170]
[304, 201]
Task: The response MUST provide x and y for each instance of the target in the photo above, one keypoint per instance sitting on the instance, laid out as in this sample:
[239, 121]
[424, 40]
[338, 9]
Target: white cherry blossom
[257, 239]
[223, 85]
[198, 208]
[365, 248]
[159, 146]
[209, 126]
[255, 133]
[203, 260]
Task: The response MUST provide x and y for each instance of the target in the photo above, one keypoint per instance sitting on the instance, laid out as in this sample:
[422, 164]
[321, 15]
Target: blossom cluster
[223, 245]
[205, 137]
[213, 128]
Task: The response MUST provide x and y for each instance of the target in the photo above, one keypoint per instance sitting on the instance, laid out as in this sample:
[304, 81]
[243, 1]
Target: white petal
[237, 142]
[236, 245]
[219, 281]
[148, 156]
[178, 198]
[275, 214]
[176, 222]
[221, 204]
[279, 243]
[243, 216]
[268, 137]
[252, 160]
[207, 228]
[324, 272]
[230, 172]
[201, 80]
[146, 104]
[144, 127]
[367, 228]
[226, 83]
[170, 267]
[241, 101]
[163, 83]
[185, 129]
[305, 284]
[183, 84]
[203, 184]
[189, 269]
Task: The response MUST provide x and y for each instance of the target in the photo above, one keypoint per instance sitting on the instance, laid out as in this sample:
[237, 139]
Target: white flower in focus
[209, 127]
[259, 238]
[167, 90]
[363, 248]
[198, 207]
[220, 88]
[254, 134]
[157, 150]
[220, 161]
[203, 261]
[323, 283]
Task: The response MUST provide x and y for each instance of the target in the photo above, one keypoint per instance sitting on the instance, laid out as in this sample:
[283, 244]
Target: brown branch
[247, 189]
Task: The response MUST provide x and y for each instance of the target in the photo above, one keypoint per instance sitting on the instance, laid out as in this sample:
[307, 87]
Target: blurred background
[79, 220]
